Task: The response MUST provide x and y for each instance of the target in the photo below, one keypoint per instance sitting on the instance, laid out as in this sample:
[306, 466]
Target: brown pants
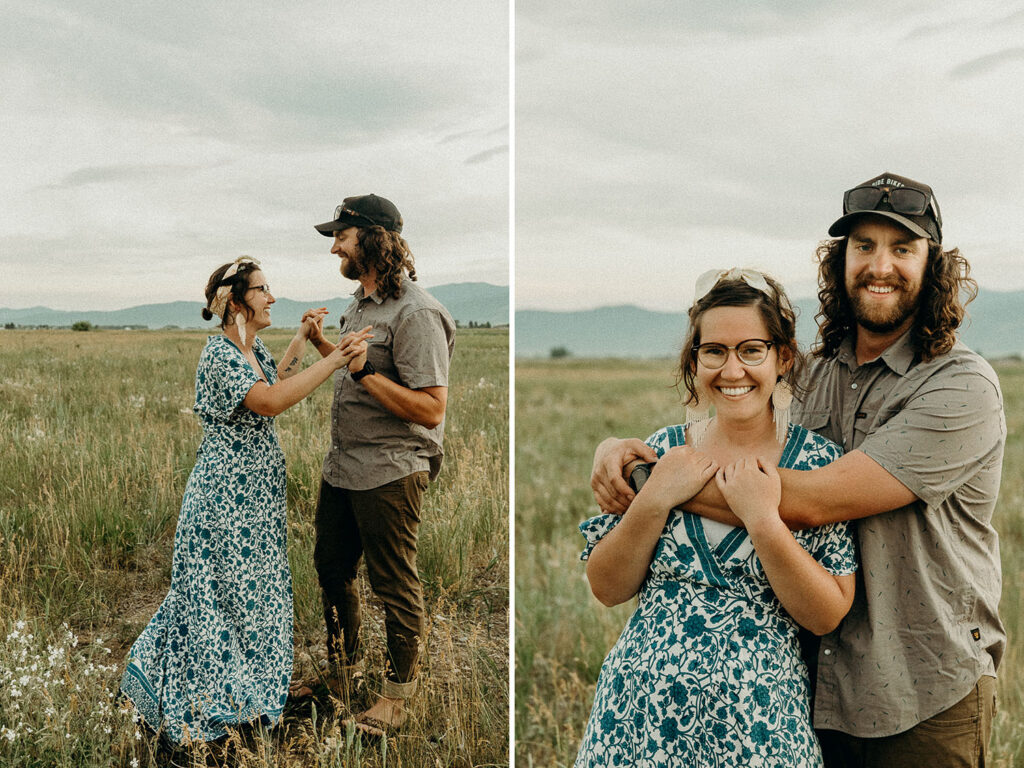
[382, 524]
[956, 738]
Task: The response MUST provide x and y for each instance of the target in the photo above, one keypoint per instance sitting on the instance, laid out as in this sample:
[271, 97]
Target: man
[387, 425]
[909, 676]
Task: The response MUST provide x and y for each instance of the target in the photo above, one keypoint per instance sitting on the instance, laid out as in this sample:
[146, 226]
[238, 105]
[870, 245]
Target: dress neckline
[262, 373]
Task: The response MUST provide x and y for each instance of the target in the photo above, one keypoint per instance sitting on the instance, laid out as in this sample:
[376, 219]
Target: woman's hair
[389, 254]
[941, 305]
[239, 284]
[779, 320]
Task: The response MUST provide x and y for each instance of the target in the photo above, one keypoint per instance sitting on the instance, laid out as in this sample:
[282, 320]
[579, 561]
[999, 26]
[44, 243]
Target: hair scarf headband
[220, 301]
[752, 277]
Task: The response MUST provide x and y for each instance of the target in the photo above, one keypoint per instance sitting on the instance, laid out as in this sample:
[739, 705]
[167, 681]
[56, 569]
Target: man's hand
[611, 491]
[313, 324]
[351, 347]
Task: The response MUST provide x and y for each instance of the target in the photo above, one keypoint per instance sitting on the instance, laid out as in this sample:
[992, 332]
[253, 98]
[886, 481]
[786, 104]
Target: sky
[656, 140]
[146, 143]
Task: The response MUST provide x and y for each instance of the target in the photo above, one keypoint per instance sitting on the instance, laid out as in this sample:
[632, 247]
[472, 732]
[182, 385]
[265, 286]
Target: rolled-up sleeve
[936, 441]
[421, 350]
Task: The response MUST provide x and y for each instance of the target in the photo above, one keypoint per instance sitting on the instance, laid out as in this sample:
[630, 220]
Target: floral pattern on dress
[707, 671]
[218, 651]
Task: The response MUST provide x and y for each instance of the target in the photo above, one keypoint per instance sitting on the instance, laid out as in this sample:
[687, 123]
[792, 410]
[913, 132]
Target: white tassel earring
[782, 399]
[698, 419]
[240, 322]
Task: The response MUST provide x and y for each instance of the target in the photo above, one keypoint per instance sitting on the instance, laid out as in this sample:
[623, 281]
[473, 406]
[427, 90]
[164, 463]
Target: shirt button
[854, 385]
[828, 651]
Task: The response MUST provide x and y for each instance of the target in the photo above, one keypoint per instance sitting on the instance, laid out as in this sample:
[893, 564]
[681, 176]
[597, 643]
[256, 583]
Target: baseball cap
[363, 211]
[903, 200]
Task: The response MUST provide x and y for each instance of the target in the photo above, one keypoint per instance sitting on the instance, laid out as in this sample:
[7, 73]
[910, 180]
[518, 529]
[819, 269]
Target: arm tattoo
[291, 364]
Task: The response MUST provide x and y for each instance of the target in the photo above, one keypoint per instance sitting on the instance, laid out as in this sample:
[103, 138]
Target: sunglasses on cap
[343, 209]
[905, 200]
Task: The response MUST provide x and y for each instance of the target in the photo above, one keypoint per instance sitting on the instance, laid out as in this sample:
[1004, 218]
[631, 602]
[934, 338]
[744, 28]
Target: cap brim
[841, 227]
[328, 228]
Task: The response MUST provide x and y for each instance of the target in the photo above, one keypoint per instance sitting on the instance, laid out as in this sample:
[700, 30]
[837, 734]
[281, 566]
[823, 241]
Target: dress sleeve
[223, 379]
[595, 529]
[834, 546]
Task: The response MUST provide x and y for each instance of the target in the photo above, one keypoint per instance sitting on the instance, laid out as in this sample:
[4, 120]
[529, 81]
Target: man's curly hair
[389, 254]
[946, 289]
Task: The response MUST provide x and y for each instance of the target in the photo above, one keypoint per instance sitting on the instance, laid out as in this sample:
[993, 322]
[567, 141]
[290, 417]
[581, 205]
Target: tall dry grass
[99, 440]
[563, 409]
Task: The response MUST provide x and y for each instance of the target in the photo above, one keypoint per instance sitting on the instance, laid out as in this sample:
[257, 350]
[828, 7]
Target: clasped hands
[751, 486]
[350, 350]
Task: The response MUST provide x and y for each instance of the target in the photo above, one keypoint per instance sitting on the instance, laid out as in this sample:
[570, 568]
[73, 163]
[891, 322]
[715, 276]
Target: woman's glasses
[749, 352]
[265, 289]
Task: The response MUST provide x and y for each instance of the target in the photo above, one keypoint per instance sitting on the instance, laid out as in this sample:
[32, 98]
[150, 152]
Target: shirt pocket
[378, 349]
[819, 420]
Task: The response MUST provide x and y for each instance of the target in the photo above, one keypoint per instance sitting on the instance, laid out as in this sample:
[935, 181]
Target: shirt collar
[898, 357]
[359, 294]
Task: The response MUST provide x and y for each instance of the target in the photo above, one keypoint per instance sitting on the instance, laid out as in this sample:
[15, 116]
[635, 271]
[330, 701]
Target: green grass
[563, 409]
[99, 443]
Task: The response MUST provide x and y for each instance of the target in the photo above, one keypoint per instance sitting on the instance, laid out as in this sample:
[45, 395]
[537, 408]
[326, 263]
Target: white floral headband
[220, 300]
[752, 277]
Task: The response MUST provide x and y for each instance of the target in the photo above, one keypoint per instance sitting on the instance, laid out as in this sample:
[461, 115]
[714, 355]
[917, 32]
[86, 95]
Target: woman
[218, 652]
[708, 668]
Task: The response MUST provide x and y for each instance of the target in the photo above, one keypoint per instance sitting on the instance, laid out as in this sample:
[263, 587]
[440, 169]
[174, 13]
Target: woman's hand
[753, 490]
[678, 476]
[312, 327]
[611, 491]
[351, 347]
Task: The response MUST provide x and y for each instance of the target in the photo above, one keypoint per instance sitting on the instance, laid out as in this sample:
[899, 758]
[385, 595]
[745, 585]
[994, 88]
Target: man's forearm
[421, 406]
[852, 487]
[710, 503]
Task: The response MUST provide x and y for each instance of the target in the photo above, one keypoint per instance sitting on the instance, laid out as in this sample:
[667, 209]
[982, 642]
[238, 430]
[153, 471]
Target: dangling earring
[240, 322]
[698, 419]
[782, 399]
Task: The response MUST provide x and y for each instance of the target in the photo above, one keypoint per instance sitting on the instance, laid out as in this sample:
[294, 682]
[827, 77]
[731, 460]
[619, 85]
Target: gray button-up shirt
[924, 624]
[412, 344]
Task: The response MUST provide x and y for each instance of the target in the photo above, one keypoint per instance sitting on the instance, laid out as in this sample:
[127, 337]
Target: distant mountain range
[477, 303]
[994, 328]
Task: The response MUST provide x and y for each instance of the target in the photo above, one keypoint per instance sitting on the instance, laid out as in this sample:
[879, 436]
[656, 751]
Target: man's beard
[881, 319]
[352, 268]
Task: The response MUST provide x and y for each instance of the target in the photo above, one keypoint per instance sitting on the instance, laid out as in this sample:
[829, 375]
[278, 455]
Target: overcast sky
[146, 143]
[655, 140]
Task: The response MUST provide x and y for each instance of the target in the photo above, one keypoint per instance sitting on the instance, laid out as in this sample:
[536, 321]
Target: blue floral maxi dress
[707, 671]
[218, 652]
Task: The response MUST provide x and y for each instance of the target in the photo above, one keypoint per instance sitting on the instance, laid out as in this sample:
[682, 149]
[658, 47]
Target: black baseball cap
[363, 211]
[905, 201]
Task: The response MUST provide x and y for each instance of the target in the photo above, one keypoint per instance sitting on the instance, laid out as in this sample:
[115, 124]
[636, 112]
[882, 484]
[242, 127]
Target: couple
[896, 463]
[218, 653]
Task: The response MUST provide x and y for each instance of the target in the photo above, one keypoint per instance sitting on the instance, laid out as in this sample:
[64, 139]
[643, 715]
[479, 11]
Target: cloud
[982, 65]
[487, 154]
[111, 174]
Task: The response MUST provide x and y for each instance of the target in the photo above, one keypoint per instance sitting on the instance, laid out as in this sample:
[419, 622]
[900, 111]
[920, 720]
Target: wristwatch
[366, 371]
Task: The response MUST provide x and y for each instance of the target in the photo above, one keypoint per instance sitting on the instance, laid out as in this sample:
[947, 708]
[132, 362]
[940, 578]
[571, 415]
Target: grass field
[99, 440]
[563, 409]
